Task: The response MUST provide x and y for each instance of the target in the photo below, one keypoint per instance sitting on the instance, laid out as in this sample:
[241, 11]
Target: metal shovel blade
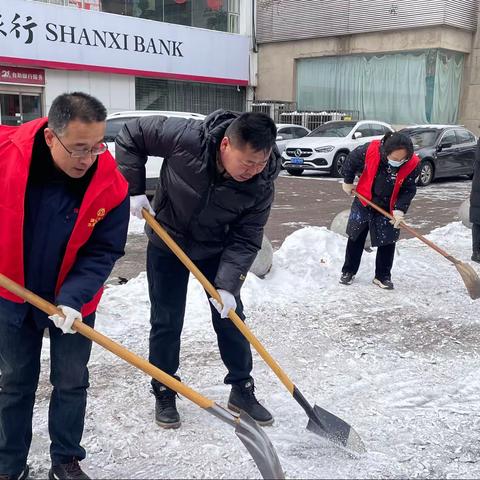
[259, 446]
[333, 428]
[255, 440]
[470, 279]
[329, 426]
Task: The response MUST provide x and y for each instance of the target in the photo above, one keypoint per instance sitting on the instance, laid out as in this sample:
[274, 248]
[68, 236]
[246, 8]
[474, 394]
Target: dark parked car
[444, 150]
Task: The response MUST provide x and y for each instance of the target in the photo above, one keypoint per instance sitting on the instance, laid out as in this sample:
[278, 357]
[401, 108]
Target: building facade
[400, 61]
[182, 55]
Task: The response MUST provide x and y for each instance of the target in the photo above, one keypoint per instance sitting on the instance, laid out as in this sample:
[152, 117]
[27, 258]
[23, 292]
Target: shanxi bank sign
[38, 34]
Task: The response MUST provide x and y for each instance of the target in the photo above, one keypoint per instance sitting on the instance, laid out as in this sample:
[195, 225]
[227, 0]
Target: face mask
[396, 163]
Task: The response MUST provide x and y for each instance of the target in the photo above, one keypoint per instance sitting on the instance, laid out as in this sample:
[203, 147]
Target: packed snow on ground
[136, 225]
[400, 366]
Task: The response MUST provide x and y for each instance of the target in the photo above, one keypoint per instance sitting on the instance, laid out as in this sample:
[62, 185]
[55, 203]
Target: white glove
[65, 323]
[398, 217]
[347, 188]
[137, 202]
[228, 302]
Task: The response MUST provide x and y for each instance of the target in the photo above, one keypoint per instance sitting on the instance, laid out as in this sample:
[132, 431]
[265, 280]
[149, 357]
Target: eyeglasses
[95, 150]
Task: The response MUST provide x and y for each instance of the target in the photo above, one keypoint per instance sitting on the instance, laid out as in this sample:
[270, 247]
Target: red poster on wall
[29, 76]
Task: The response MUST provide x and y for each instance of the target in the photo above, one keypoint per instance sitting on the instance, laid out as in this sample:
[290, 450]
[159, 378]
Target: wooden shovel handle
[108, 344]
[211, 290]
[408, 228]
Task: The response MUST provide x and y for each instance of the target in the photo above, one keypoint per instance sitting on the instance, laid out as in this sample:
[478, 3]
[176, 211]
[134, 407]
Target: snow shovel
[468, 274]
[321, 422]
[246, 429]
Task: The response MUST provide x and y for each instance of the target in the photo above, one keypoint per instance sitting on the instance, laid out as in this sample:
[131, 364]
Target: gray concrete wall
[276, 61]
[470, 95]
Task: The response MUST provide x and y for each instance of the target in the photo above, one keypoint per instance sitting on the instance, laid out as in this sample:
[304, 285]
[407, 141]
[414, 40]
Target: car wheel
[426, 174]
[338, 164]
[295, 171]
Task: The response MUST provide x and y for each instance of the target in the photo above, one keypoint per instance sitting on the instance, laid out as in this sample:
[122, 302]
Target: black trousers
[476, 237]
[167, 283]
[383, 262]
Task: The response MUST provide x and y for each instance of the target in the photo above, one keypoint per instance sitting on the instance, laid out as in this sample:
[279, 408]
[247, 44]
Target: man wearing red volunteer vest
[388, 171]
[64, 213]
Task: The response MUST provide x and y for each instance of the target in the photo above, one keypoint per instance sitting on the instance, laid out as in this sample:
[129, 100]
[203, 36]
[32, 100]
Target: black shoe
[347, 278]
[23, 475]
[166, 414]
[67, 471]
[242, 397]
[385, 284]
[476, 256]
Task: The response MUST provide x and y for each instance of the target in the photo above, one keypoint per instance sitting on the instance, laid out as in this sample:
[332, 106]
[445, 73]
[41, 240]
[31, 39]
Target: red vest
[372, 161]
[107, 190]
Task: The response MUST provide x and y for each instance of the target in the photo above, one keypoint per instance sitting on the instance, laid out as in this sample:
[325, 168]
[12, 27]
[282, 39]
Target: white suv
[326, 148]
[115, 122]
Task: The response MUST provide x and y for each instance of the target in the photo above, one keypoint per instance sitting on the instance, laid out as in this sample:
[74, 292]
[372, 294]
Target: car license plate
[297, 161]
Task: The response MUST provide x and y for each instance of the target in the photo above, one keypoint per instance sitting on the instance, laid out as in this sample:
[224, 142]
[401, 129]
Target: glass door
[10, 109]
[17, 108]
[31, 107]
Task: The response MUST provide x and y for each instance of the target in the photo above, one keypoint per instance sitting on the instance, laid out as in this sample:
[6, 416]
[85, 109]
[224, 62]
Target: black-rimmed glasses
[94, 151]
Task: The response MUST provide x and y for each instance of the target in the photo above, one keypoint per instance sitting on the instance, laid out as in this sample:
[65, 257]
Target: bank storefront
[129, 63]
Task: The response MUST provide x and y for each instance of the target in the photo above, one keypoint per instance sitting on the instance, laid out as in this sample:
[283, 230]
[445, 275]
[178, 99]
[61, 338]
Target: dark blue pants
[167, 282]
[20, 349]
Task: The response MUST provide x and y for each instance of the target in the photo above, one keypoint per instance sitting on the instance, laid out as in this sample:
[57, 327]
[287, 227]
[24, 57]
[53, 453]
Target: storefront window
[177, 11]
[400, 88]
[222, 15]
[87, 4]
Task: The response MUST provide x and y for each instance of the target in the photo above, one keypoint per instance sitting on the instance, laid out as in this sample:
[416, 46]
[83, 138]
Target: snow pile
[400, 366]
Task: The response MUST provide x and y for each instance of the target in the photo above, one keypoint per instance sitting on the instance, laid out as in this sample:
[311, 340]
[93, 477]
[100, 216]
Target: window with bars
[157, 94]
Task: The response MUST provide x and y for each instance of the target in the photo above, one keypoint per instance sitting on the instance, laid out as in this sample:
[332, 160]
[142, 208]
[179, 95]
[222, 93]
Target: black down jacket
[206, 213]
[475, 193]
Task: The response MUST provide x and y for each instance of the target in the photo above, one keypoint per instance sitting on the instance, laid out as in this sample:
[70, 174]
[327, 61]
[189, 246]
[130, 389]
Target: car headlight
[326, 149]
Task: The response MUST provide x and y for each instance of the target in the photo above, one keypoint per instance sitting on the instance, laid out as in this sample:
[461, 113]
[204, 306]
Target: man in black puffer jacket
[214, 195]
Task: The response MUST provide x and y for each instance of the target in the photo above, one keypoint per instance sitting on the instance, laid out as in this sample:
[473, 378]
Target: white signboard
[39, 34]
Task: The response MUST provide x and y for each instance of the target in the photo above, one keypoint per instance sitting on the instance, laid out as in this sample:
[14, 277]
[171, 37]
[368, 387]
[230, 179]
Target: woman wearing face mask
[389, 169]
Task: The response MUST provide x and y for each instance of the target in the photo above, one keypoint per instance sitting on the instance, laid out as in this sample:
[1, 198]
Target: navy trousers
[20, 348]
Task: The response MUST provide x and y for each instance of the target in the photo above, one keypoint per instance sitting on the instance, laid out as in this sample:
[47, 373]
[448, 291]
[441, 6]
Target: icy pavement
[402, 367]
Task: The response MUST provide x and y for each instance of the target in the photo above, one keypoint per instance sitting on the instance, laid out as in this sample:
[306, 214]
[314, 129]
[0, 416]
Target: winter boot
[476, 256]
[23, 475]
[67, 471]
[347, 278]
[242, 397]
[385, 284]
[166, 414]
